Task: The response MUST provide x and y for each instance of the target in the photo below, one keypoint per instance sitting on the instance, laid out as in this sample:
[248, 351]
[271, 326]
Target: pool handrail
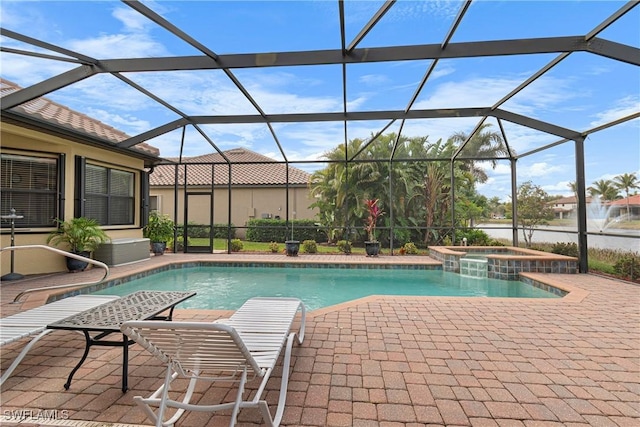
[61, 252]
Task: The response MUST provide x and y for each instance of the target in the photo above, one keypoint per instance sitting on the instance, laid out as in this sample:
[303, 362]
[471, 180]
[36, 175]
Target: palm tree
[483, 144]
[626, 182]
[605, 189]
[574, 189]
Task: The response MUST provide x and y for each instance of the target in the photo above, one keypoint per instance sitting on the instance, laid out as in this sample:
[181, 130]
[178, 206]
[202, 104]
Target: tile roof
[568, 200]
[46, 110]
[249, 168]
[633, 200]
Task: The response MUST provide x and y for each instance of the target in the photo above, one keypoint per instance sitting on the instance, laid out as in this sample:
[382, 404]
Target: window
[29, 184]
[154, 203]
[109, 195]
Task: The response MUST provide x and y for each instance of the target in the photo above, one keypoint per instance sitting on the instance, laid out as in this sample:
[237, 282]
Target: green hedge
[275, 230]
[202, 231]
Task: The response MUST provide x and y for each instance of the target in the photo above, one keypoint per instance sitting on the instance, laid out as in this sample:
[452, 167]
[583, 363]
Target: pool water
[227, 288]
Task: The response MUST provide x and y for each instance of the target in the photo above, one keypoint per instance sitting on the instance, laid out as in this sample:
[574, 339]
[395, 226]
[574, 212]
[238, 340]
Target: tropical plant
[410, 248]
[80, 234]
[574, 189]
[344, 246]
[310, 247]
[159, 229]
[236, 245]
[274, 247]
[568, 249]
[484, 144]
[627, 182]
[409, 175]
[628, 266]
[371, 221]
[532, 208]
[605, 189]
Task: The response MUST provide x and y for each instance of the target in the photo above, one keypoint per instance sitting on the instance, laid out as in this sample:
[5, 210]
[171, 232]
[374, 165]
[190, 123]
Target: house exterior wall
[246, 203]
[18, 140]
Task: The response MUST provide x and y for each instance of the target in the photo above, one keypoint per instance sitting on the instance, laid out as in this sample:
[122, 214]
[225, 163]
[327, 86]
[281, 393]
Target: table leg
[125, 362]
[84, 357]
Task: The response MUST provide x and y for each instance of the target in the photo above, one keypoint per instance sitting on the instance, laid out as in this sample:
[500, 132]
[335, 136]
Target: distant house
[59, 163]
[618, 208]
[566, 207]
[258, 189]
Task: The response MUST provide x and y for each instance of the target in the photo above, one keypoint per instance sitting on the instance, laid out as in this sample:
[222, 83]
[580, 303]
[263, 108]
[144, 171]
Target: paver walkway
[385, 361]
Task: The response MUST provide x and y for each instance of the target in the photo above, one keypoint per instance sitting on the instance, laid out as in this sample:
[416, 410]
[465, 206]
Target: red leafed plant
[374, 213]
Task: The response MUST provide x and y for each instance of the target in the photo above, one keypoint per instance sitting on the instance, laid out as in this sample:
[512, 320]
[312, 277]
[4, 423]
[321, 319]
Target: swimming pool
[227, 288]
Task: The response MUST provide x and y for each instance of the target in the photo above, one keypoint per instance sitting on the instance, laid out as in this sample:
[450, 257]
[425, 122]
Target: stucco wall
[246, 203]
[30, 141]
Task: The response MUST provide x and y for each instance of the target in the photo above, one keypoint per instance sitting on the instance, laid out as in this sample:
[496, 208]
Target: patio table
[105, 319]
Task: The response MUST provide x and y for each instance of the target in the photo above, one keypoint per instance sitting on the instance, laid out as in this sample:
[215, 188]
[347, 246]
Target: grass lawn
[221, 245]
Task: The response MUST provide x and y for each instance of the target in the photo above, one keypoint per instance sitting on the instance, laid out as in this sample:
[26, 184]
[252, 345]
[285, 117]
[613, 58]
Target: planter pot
[292, 247]
[158, 248]
[372, 248]
[75, 265]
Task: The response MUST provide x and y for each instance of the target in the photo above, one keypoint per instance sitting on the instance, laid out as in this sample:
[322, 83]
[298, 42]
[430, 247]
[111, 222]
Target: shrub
[474, 237]
[275, 230]
[198, 231]
[179, 246]
[568, 249]
[236, 245]
[220, 231]
[310, 247]
[410, 248]
[628, 266]
[344, 246]
[202, 231]
[274, 247]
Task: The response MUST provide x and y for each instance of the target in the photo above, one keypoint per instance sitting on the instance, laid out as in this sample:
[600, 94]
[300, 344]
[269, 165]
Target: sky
[582, 92]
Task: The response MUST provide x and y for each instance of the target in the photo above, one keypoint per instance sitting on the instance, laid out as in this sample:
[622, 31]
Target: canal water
[623, 240]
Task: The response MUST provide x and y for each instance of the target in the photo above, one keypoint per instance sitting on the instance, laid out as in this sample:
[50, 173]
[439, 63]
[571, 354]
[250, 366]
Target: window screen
[109, 195]
[29, 184]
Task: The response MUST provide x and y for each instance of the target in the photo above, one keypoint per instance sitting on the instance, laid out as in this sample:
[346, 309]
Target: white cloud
[131, 20]
[374, 79]
[558, 188]
[441, 72]
[622, 108]
[108, 46]
[540, 169]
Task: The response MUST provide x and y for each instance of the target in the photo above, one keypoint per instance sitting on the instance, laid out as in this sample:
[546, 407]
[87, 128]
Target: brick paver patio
[381, 361]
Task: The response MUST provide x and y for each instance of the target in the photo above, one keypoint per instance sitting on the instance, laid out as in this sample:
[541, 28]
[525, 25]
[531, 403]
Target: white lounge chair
[239, 349]
[35, 321]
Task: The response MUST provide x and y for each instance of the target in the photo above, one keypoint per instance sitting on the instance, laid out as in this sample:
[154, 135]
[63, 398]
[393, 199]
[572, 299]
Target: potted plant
[372, 246]
[82, 235]
[292, 247]
[159, 230]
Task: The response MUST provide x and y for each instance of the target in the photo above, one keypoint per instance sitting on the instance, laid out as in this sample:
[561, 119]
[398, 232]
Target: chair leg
[236, 406]
[284, 383]
[165, 396]
[22, 354]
